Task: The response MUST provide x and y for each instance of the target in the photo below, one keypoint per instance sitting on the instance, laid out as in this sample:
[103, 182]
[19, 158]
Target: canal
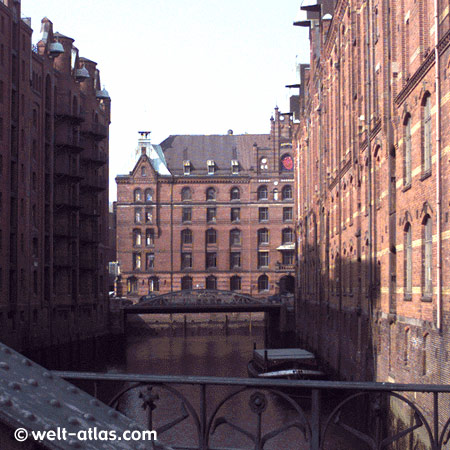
[201, 351]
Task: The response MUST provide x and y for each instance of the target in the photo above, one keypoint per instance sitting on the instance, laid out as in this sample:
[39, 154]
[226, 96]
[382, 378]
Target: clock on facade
[287, 163]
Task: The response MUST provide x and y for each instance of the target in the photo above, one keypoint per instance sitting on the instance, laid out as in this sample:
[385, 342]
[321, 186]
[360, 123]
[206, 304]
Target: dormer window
[234, 166]
[186, 167]
[211, 166]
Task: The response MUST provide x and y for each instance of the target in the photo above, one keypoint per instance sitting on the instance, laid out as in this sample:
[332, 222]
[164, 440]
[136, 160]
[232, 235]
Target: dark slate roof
[222, 149]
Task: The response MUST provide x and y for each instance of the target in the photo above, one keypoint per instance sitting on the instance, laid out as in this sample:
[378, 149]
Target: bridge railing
[357, 415]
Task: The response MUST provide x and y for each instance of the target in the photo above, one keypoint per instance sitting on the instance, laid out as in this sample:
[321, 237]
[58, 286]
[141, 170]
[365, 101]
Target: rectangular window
[150, 237]
[427, 136]
[408, 162]
[263, 259]
[187, 167]
[288, 258]
[186, 260]
[287, 214]
[211, 167]
[235, 260]
[149, 261]
[136, 261]
[211, 214]
[234, 167]
[138, 215]
[263, 214]
[186, 215]
[235, 215]
[211, 259]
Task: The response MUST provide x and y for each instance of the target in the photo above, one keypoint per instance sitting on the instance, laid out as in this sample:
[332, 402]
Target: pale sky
[179, 67]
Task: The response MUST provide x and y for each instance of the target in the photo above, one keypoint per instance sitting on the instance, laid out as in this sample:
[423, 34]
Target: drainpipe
[438, 167]
[369, 162]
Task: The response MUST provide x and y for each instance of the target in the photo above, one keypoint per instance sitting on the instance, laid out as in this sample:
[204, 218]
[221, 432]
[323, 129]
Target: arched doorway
[287, 284]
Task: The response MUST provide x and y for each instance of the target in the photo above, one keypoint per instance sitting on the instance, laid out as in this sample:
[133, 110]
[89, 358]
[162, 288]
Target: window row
[149, 237]
[288, 258]
[143, 215]
[235, 214]
[140, 197]
[287, 236]
[211, 167]
[235, 193]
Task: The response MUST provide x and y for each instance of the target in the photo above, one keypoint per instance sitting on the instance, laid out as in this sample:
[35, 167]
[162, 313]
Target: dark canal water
[200, 352]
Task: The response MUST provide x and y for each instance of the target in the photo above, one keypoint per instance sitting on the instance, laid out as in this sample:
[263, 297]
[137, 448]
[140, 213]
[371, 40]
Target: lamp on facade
[55, 49]
[103, 95]
[81, 74]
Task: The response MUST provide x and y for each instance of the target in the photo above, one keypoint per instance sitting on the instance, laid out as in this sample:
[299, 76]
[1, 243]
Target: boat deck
[278, 355]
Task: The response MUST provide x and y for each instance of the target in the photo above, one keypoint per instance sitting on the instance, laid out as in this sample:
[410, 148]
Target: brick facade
[53, 166]
[369, 300]
[198, 227]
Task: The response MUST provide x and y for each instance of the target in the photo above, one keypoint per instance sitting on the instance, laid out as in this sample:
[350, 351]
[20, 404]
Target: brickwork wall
[168, 226]
[43, 294]
[363, 204]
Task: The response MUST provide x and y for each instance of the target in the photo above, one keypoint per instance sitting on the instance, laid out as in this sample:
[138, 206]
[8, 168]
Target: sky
[179, 67]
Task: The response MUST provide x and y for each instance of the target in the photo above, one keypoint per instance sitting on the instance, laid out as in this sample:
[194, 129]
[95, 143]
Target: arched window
[186, 236]
[235, 237]
[408, 261]
[235, 193]
[286, 193]
[186, 283]
[263, 283]
[275, 194]
[211, 282]
[186, 194]
[427, 257]
[235, 283]
[153, 284]
[143, 171]
[211, 236]
[407, 153]
[137, 195]
[263, 236]
[287, 236]
[262, 193]
[149, 195]
[137, 238]
[210, 194]
[426, 127]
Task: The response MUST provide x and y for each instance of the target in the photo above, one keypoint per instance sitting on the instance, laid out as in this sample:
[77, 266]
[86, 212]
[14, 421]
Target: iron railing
[319, 410]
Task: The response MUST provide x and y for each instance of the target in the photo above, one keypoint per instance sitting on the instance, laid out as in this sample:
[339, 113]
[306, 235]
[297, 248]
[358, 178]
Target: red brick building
[54, 121]
[373, 196]
[212, 212]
